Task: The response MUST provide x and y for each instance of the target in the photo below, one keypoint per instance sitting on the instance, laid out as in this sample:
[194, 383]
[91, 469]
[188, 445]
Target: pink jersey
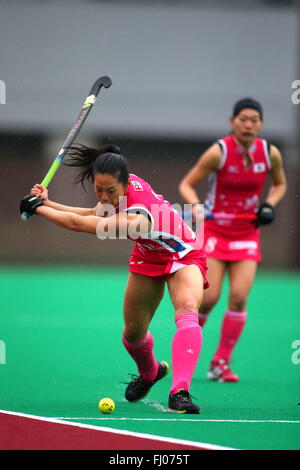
[235, 189]
[170, 238]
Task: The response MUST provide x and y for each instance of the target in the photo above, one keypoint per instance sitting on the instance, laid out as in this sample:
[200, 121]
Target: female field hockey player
[166, 250]
[237, 166]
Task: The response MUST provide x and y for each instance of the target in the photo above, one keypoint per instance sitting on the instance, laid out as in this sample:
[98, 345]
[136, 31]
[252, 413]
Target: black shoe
[182, 403]
[138, 388]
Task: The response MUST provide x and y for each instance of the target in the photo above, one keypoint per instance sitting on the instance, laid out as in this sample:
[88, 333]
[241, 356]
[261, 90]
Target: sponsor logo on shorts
[251, 252]
[243, 245]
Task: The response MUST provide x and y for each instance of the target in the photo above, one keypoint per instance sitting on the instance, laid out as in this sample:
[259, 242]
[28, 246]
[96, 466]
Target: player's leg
[142, 297]
[241, 276]
[186, 293]
[215, 276]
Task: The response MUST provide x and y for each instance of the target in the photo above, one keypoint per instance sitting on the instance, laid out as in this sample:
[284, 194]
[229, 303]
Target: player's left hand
[30, 203]
[265, 215]
[40, 191]
[198, 214]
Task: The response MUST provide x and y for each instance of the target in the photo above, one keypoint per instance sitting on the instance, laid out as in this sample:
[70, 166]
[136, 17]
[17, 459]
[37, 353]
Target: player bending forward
[237, 166]
[166, 250]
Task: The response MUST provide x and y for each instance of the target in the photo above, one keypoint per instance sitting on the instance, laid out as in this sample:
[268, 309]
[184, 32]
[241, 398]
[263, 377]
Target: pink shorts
[161, 271]
[238, 246]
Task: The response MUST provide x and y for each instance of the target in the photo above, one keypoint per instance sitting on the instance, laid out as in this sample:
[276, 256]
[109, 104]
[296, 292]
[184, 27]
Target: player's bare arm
[277, 173]
[209, 161]
[135, 224]
[42, 192]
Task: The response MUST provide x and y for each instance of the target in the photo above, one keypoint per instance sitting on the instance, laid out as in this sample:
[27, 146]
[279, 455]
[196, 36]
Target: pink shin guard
[143, 355]
[186, 347]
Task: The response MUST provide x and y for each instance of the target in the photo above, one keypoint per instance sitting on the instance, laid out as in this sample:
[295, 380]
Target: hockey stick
[84, 112]
[223, 216]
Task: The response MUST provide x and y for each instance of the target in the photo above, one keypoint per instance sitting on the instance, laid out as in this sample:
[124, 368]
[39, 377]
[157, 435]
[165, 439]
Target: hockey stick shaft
[84, 112]
[223, 216]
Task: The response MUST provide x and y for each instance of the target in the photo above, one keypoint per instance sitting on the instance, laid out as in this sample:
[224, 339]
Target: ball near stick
[106, 405]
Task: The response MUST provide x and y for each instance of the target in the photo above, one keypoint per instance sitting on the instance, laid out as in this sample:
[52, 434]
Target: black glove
[265, 215]
[30, 203]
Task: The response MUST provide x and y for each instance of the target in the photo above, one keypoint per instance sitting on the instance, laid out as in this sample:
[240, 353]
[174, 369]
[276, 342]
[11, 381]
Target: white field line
[106, 418]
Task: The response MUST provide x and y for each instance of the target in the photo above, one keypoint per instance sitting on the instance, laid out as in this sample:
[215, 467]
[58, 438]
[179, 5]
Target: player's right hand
[40, 191]
[30, 203]
[265, 215]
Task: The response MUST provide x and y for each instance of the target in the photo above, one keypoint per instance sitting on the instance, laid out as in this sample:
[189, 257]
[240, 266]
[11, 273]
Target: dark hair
[106, 160]
[247, 103]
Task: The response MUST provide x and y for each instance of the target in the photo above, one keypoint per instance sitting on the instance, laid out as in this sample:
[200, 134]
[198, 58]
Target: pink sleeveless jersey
[171, 244]
[170, 236]
[236, 189]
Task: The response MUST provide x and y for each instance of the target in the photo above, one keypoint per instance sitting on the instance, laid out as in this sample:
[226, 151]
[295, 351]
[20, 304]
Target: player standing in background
[165, 251]
[237, 166]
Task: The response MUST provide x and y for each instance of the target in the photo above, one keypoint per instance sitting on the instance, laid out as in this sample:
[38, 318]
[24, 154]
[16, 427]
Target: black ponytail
[106, 160]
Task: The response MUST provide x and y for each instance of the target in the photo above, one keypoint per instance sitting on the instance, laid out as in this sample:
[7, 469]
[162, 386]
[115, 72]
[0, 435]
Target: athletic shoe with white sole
[138, 388]
[181, 402]
[219, 371]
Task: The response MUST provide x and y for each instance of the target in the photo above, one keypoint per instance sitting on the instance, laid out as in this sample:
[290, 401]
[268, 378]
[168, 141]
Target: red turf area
[25, 433]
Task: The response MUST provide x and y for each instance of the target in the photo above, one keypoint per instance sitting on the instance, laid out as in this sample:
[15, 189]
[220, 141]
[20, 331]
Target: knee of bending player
[133, 332]
[237, 301]
[185, 305]
[209, 301]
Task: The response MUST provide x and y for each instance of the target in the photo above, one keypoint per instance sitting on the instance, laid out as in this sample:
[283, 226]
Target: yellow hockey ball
[106, 405]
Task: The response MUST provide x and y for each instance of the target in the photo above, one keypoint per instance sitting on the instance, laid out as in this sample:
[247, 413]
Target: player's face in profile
[246, 125]
[108, 189]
